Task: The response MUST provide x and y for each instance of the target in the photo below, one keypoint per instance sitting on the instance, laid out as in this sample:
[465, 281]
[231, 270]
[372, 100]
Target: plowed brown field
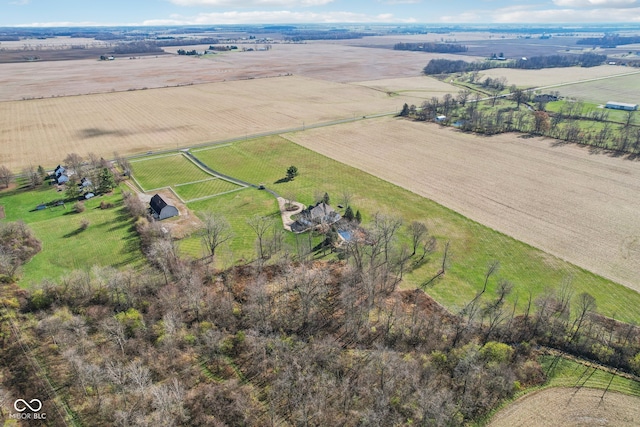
[43, 131]
[563, 407]
[578, 206]
[335, 63]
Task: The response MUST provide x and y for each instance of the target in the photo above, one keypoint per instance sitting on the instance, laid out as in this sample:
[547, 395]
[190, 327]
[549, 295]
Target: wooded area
[290, 342]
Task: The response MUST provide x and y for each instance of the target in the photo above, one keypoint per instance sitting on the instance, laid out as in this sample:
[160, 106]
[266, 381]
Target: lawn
[209, 188]
[159, 172]
[615, 116]
[236, 207]
[473, 246]
[568, 373]
[109, 240]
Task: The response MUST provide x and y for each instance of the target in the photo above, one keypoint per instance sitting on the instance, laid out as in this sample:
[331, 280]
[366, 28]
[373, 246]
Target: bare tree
[519, 96]
[133, 204]
[34, 179]
[418, 231]
[463, 97]
[123, 163]
[215, 232]
[5, 176]
[586, 304]
[345, 197]
[260, 225]
[75, 162]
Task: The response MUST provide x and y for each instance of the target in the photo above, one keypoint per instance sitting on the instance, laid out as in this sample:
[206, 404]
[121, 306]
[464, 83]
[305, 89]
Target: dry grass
[554, 76]
[563, 407]
[562, 199]
[44, 131]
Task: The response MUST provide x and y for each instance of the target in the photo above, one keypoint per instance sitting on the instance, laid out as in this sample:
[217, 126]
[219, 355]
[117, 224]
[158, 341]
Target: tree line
[609, 40]
[463, 110]
[431, 47]
[448, 66]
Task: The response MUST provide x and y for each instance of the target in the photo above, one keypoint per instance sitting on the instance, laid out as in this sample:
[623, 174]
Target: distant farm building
[621, 106]
[545, 97]
[61, 175]
[160, 209]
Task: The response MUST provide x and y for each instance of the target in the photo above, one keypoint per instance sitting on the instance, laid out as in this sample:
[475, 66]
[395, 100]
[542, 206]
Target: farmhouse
[160, 209]
[314, 216]
[621, 106]
[60, 174]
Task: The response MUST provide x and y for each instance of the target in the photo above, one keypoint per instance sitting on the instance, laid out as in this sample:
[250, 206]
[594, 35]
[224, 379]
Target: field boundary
[215, 195]
[213, 177]
[196, 182]
[212, 147]
[159, 156]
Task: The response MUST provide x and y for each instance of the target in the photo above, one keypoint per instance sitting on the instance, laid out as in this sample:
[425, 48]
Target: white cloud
[252, 3]
[276, 17]
[596, 3]
[558, 16]
[401, 1]
[72, 24]
[529, 14]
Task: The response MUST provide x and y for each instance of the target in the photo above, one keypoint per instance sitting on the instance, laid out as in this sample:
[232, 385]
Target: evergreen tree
[358, 217]
[73, 191]
[326, 199]
[348, 214]
[292, 172]
[405, 110]
[107, 182]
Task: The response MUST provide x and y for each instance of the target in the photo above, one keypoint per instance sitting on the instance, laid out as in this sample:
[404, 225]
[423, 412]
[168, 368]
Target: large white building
[621, 106]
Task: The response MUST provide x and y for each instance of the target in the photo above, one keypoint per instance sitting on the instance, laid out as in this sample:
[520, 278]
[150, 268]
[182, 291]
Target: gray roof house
[313, 216]
[160, 209]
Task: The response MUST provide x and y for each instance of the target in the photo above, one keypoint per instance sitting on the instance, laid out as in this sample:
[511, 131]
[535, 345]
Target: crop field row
[554, 76]
[620, 89]
[569, 203]
[473, 246]
[44, 131]
[570, 407]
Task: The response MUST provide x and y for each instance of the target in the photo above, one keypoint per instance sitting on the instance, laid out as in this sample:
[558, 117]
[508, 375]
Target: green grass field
[198, 190]
[110, 239]
[616, 116]
[237, 207]
[159, 172]
[568, 373]
[473, 246]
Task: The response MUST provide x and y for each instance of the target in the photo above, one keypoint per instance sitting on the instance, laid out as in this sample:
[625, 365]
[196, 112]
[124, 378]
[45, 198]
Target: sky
[221, 12]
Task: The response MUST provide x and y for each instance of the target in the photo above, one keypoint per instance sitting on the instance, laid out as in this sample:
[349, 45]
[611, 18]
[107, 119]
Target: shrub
[84, 224]
[79, 207]
[105, 205]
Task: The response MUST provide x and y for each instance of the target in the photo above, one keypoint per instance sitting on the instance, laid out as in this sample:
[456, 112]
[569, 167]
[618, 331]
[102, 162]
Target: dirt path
[286, 215]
